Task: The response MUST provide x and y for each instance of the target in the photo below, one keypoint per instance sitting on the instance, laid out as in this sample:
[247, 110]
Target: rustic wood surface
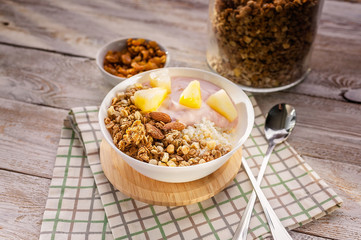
[47, 66]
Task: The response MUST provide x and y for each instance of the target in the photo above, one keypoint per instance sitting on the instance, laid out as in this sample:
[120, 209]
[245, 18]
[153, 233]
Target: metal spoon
[280, 122]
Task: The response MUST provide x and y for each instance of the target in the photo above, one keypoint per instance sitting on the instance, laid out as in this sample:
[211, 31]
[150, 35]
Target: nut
[211, 144]
[184, 164]
[159, 125]
[160, 149]
[153, 161]
[160, 117]
[154, 151]
[154, 132]
[202, 161]
[192, 161]
[111, 111]
[195, 145]
[192, 152]
[185, 150]
[174, 126]
[216, 153]
[165, 157]
[179, 158]
[171, 164]
[186, 137]
[120, 95]
[170, 148]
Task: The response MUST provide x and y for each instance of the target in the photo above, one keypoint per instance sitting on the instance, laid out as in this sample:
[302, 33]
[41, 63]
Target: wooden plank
[302, 236]
[337, 54]
[180, 26]
[22, 205]
[345, 222]
[325, 128]
[50, 79]
[29, 137]
[54, 21]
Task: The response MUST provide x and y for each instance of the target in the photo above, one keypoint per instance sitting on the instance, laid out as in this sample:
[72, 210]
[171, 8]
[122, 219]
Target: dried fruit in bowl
[139, 55]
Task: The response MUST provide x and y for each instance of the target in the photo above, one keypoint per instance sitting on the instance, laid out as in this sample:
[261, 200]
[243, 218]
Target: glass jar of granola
[262, 44]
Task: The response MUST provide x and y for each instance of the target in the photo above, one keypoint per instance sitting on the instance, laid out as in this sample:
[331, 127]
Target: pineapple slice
[161, 79]
[149, 99]
[221, 103]
[191, 95]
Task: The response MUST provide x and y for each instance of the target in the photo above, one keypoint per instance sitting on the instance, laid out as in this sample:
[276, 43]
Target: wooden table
[47, 66]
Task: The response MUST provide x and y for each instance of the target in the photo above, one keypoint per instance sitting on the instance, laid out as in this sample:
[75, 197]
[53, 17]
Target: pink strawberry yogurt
[190, 116]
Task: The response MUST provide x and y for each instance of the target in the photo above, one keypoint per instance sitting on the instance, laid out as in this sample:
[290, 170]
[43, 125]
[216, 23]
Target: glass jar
[262, 44]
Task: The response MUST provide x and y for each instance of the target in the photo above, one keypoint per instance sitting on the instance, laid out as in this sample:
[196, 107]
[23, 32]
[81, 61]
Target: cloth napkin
[82, 204]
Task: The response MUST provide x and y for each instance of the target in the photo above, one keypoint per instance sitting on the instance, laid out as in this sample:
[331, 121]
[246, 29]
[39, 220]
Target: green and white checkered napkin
[82, 204]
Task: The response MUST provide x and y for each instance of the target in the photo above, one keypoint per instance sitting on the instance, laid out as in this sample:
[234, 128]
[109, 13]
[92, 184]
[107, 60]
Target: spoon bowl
[280, 121]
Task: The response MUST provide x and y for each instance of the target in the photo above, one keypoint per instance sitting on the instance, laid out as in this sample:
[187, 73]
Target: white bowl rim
[250, 120]
[97, 58]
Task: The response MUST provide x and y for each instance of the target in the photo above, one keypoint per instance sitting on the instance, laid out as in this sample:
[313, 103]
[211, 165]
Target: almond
[151, 122]
[160, 116]
[174, 126]
[154, 132]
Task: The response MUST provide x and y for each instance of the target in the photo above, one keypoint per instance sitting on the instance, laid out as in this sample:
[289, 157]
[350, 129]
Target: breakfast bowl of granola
[176, 124]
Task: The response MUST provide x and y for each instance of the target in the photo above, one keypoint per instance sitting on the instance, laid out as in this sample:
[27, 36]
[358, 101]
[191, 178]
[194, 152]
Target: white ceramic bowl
[189, 173]
[117, 45]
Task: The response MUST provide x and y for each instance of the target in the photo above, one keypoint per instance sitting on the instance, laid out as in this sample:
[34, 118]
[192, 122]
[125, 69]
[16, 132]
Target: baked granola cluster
[263, 43]
[153, 137]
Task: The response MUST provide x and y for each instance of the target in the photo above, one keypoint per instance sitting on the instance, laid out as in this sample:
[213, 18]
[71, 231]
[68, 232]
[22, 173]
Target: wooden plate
[142, 188]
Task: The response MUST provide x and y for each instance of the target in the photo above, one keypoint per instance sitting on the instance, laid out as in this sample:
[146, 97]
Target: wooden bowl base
[142, 188]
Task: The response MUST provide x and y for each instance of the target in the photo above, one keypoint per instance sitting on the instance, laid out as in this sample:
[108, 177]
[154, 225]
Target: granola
[154, 138]
[262, 43]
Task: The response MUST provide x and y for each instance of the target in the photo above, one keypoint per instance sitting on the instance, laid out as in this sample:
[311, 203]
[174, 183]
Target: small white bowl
[189, 173]
[118, 45]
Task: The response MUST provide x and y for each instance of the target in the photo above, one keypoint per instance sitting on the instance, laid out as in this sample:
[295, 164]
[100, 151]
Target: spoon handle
[242, 229]
[279, 232]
